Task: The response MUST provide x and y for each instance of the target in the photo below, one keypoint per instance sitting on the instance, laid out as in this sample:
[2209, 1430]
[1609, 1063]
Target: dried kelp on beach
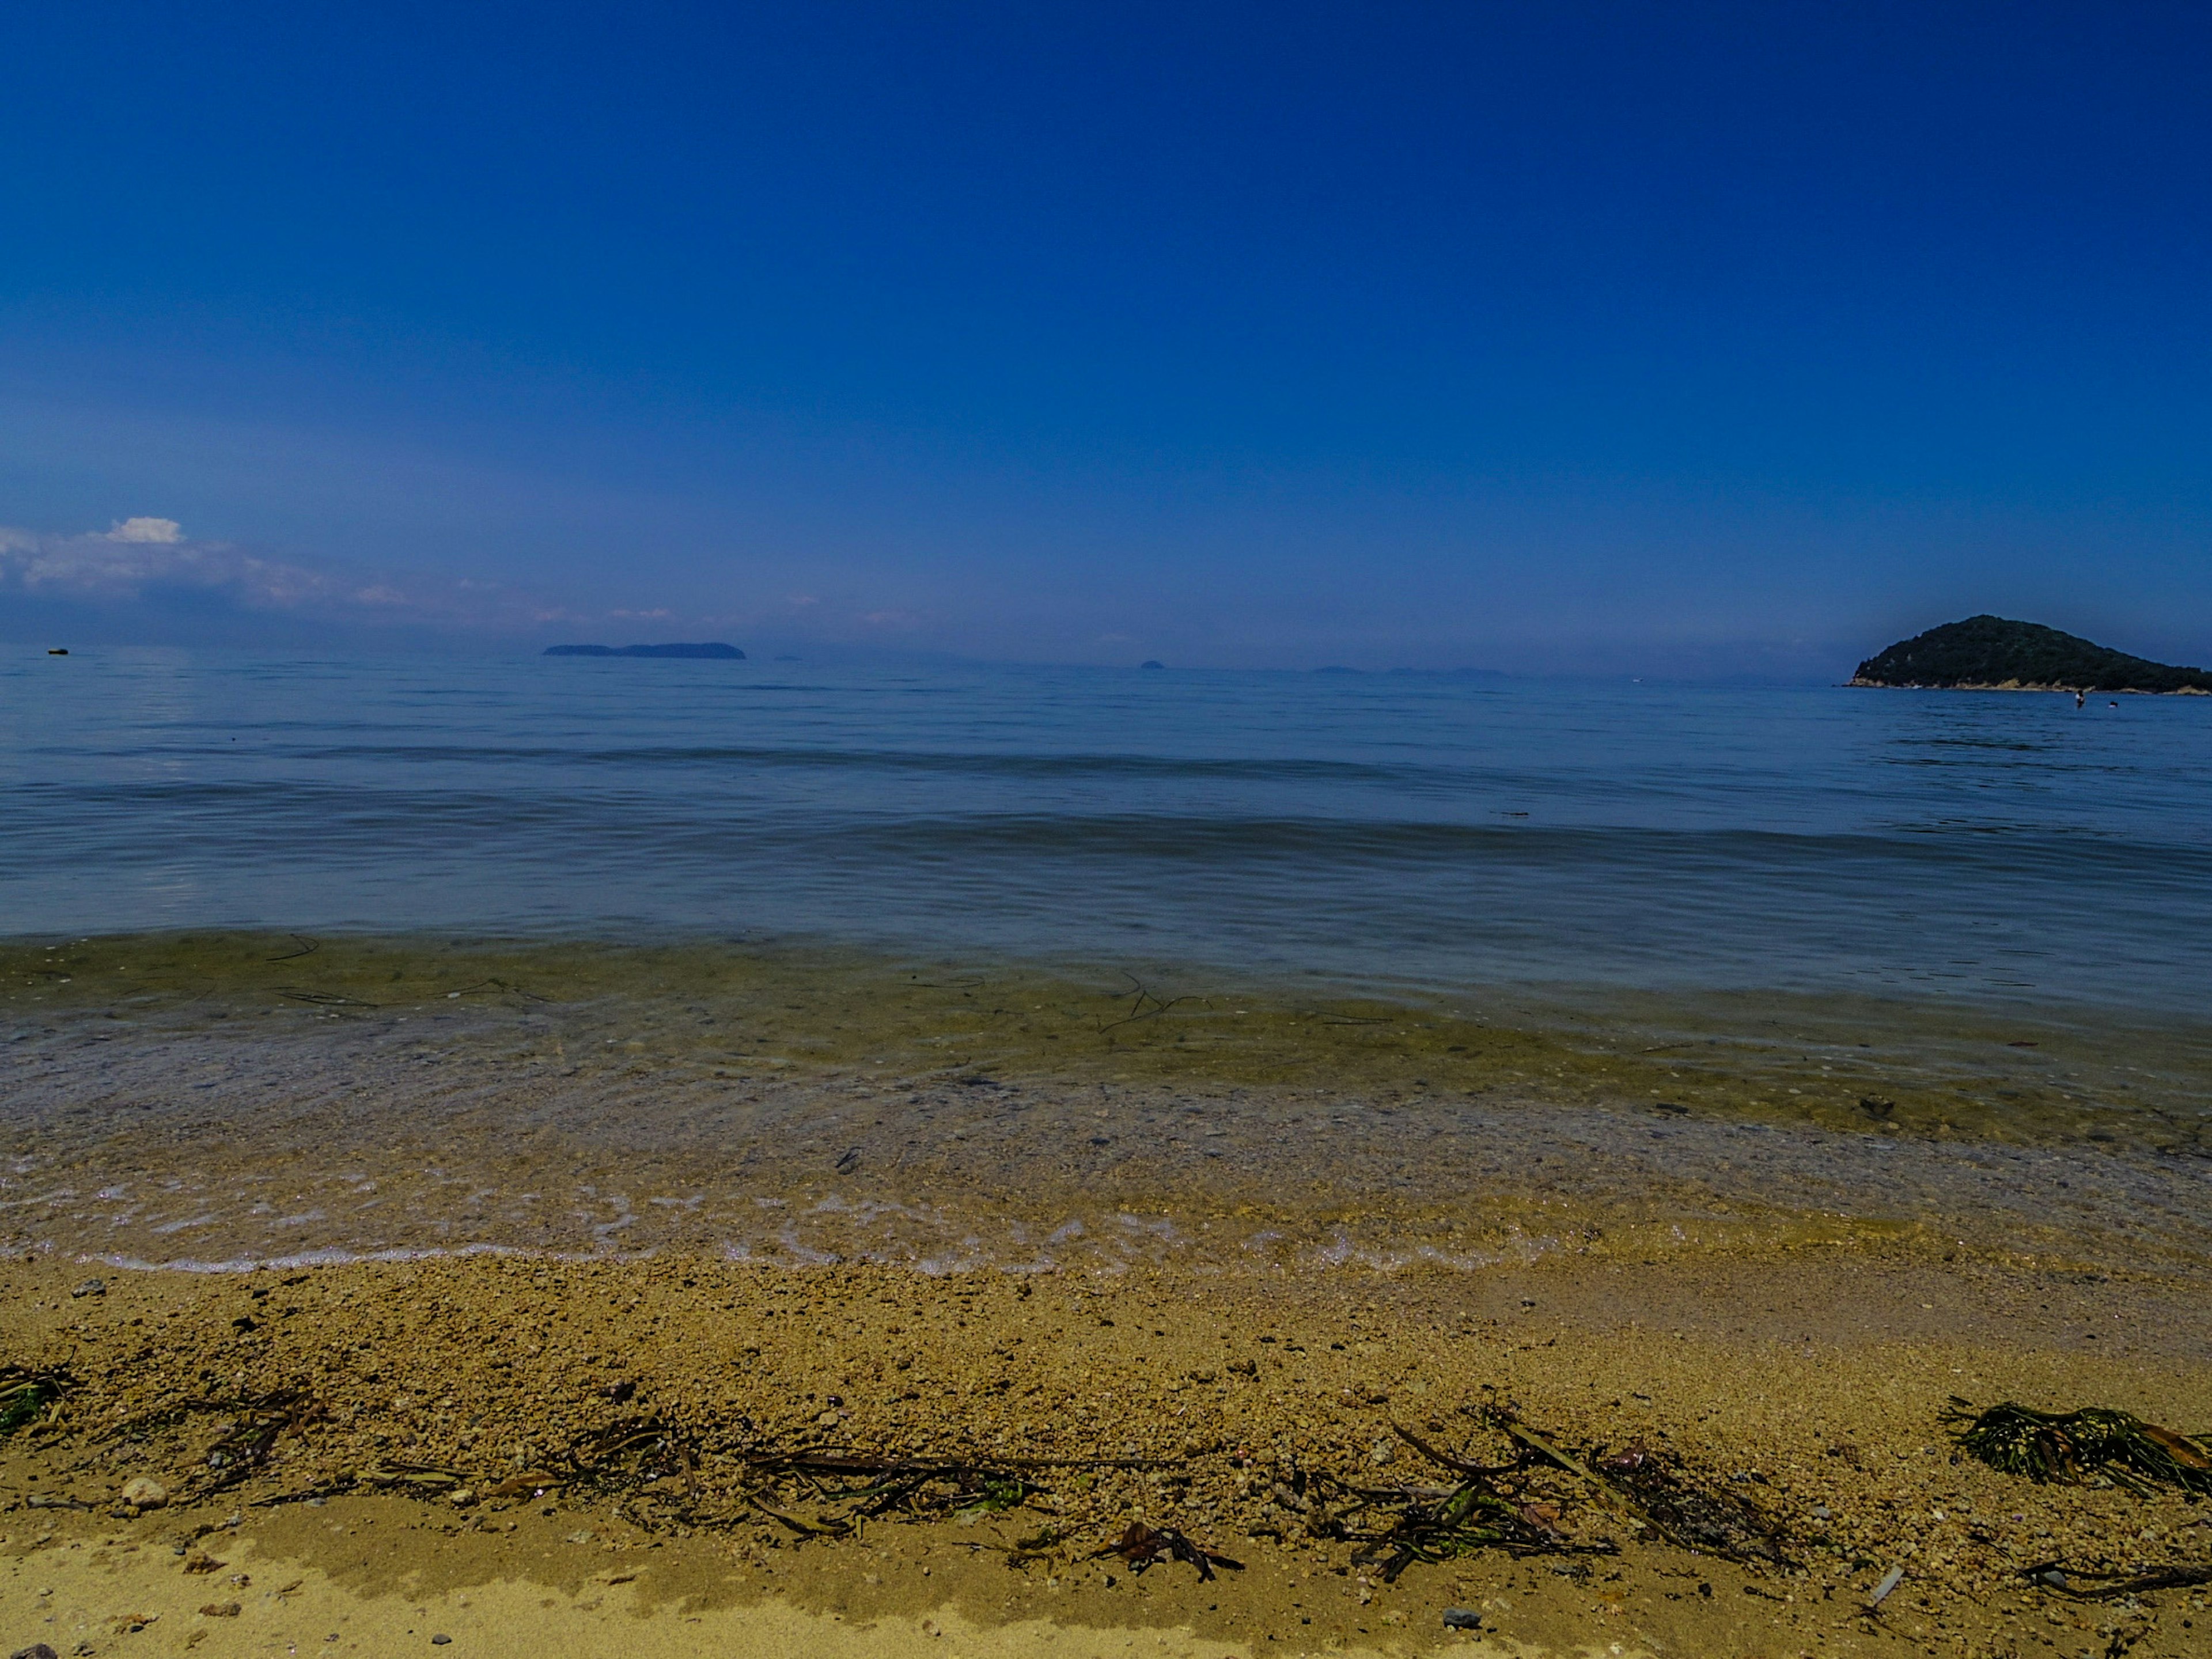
[2078, 1445]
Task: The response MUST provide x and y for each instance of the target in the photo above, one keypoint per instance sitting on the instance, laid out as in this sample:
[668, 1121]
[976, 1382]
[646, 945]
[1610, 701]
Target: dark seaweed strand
[2069, 1447]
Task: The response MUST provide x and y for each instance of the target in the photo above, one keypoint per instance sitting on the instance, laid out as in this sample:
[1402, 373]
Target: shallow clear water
[1418, 830]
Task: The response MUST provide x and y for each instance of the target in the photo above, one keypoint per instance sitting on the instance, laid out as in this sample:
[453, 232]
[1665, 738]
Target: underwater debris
[2069, 1447]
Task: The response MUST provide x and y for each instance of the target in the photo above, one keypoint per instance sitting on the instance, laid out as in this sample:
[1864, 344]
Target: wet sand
[239, 1099]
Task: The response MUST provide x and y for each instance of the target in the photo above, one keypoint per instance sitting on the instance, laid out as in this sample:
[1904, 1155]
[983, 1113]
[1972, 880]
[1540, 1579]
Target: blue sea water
[1397, 829]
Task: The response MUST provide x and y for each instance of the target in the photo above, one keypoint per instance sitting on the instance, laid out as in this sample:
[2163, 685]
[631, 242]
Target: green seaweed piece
[25, 1395]
[21, 1404]
[2069, 1447]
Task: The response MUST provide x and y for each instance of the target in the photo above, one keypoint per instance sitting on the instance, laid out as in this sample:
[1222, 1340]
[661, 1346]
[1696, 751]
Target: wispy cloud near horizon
[150, 563]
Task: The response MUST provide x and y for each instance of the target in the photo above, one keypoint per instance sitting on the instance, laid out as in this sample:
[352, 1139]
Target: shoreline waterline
[261, 1096]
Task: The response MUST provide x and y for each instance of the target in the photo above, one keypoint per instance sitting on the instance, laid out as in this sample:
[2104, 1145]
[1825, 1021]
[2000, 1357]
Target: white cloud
[147, 530]
[150, 561]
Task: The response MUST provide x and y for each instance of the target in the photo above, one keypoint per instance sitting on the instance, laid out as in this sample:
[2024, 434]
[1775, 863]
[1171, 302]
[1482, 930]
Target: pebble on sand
[145, 1493]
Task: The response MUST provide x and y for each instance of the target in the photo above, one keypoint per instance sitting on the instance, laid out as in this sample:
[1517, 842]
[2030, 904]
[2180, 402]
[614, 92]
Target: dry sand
[1808, 1383]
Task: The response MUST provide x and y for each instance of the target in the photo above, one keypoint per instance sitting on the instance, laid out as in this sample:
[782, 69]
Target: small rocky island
[711, 648]
[1992, 653]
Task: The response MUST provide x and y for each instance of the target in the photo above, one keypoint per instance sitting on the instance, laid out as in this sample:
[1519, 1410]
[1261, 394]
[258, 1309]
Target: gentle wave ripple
[1421, 830]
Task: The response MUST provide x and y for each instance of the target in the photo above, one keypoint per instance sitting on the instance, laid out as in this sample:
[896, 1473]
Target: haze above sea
[1391, 830]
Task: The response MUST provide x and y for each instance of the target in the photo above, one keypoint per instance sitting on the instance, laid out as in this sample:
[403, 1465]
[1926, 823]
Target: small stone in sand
[36, 1651]
[91, 1288]
[145, 1493]
[221, 1610]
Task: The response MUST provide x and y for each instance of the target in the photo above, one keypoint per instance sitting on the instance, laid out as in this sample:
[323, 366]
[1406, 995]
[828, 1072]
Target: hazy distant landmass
[1992, 654]
[713, 648]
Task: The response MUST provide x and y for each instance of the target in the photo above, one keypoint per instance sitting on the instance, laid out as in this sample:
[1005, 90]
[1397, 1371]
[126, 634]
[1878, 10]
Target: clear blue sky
[1659, 338]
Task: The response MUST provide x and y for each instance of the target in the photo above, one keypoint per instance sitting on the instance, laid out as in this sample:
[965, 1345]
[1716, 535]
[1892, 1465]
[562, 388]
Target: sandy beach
[498, 1450]
[773, 1309]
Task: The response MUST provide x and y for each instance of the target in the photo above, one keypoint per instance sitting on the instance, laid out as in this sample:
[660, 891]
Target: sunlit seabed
[225, 1097]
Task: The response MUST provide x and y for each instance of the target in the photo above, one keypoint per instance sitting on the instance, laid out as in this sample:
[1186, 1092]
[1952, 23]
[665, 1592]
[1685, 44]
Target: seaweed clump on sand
[2073, 1447]
[1488, 1506]
[1538, 1499]
[25, 1393]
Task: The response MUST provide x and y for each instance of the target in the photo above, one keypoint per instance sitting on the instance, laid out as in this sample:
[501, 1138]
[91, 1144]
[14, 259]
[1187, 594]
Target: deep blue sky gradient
[1657, 337]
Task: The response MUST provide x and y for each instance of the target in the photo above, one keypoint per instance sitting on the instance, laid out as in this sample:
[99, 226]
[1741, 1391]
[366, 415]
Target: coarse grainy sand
[505, 1452]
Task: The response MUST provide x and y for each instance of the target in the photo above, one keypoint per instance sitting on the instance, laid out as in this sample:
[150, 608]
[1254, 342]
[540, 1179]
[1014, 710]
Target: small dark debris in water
[2023, 1045]
[1462, 1619]
[1143, 1546]
[326, 999]
[1880, 1110]
[2068, 1447]
[850, 1161]
[58, 651]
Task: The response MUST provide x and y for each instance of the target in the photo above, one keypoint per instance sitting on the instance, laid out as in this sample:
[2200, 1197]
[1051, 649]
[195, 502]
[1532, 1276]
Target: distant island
[725, 652]
[1992, 653]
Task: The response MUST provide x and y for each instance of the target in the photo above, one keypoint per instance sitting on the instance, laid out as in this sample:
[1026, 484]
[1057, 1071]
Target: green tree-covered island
[1992, 654]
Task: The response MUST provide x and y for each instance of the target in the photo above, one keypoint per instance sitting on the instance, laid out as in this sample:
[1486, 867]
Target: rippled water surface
[1423, 831]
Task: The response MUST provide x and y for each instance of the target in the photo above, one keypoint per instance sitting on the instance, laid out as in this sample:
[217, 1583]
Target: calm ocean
[1377, 830]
